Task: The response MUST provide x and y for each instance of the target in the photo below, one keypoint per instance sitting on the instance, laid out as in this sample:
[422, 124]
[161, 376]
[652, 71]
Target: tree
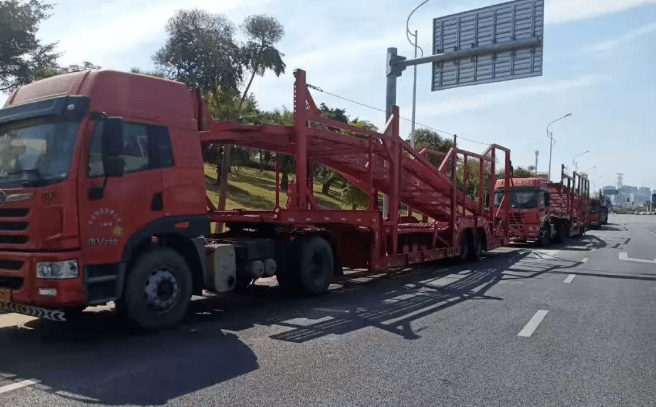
[21, 54]
[155, 73]
[520, 172]
[59, 70]
[354, 196]
[325, 175]
[201, 51]
[259, 53]
[287, 162]
[425, 138]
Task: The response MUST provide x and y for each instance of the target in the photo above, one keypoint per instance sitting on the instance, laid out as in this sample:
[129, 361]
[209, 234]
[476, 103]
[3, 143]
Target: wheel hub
[161, 289]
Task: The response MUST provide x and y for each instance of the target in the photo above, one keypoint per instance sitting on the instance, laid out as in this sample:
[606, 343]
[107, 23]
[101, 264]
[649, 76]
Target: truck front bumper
[18, 275]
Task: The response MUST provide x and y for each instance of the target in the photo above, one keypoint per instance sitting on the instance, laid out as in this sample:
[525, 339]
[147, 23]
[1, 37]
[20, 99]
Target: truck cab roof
[127, 95]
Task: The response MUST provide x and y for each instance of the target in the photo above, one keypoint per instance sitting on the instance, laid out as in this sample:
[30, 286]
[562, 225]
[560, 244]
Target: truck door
[110, 215]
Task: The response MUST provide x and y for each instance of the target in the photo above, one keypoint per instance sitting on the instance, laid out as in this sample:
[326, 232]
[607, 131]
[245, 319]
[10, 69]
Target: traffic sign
[490, 44]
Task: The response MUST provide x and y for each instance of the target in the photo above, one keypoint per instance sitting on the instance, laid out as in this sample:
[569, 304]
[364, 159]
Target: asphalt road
[571, 325]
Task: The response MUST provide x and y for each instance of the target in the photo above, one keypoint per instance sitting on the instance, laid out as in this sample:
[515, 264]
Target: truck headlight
[60, 269]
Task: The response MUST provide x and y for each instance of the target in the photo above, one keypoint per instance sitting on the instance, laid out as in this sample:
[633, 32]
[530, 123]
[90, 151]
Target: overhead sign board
[512, 32]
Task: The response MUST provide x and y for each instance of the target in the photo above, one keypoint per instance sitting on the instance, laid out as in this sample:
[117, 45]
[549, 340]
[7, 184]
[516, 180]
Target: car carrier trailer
[114, 208]
[546, 212]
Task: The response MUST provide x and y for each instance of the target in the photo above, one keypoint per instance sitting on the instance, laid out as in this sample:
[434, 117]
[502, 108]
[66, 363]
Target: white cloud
[607, 45]
[561, 11]
[495, 98]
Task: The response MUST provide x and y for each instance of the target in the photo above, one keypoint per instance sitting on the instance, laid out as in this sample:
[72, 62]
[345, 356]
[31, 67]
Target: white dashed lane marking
[533, 324]
[569, 278]
[624, 256]
[16, 386]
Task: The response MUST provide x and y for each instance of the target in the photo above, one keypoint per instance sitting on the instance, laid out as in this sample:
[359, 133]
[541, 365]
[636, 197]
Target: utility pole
[536, 161]
[620, 195]
[551, 140]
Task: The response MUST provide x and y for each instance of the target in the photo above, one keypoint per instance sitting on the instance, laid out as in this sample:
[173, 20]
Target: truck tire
[287, 272]
[544, 239]
[74, 315]
[157, 290]
[464, 248]
[316, 265]
[476, 249]
[560, 233]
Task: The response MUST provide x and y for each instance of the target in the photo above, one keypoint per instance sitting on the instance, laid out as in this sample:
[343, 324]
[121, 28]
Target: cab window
[146, 147]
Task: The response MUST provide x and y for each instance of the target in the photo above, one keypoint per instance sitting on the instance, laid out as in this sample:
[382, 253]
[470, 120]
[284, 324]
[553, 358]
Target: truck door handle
[157, 204]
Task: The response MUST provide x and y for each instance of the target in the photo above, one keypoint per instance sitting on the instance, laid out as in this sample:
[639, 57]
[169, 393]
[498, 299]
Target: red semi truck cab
[73, 210]
[531, 212]
[546, 212]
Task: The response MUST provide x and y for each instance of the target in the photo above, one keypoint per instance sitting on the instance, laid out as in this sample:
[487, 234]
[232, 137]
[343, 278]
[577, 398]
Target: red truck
[597, 213]
[546, 212]
[102, 198]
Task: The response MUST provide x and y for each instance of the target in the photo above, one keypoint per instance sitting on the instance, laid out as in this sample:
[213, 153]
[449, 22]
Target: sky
[599, 65]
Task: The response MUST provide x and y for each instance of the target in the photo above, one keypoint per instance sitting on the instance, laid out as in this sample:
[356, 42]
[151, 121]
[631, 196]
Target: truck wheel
[157, 291]
[73, 315]
[476, 249]
[287, 272]
[464, 248]
[544, 240]
[243, 285]
[560, 233]
[316, 265]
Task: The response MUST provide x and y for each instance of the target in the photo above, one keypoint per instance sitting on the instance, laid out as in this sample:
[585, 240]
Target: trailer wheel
[316, 265]
[158, 290]
[544, 240]
[464, 248]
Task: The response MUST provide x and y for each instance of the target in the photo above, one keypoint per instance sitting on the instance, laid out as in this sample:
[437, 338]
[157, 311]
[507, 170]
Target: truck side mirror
[113, 147]
[487, 199]
[546, 199]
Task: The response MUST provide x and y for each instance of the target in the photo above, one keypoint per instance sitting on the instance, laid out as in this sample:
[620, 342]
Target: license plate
[5, 296]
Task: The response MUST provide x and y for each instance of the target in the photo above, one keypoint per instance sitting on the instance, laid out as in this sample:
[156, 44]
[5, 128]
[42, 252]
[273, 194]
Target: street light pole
[576, 166]
[552, 142]
[414, 83]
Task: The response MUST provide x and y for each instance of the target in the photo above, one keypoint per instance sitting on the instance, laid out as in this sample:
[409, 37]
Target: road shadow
[389, 302]
[100, 361]
[97, 361]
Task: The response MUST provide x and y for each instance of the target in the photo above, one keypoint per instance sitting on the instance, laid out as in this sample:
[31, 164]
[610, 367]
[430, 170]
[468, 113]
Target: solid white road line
[584, 260]
[533, 324]
[624, 256]
[15, 386]
[569, 278]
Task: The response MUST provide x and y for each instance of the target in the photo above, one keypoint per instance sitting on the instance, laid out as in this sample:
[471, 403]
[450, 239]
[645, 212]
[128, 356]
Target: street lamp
[576, 166]
[414, 83]
[551, 140]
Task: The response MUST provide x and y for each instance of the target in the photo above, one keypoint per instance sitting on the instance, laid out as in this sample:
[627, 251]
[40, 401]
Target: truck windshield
[36, 151]
[519, 198]
[593, 208]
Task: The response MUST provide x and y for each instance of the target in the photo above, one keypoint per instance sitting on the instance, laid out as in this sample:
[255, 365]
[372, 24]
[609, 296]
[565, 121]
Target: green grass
[249, 188]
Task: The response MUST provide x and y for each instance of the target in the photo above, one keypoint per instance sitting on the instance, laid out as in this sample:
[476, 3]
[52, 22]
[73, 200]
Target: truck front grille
[12, 283]
[11, 239]
[14, 212]
[13, 220]
[10, 265]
